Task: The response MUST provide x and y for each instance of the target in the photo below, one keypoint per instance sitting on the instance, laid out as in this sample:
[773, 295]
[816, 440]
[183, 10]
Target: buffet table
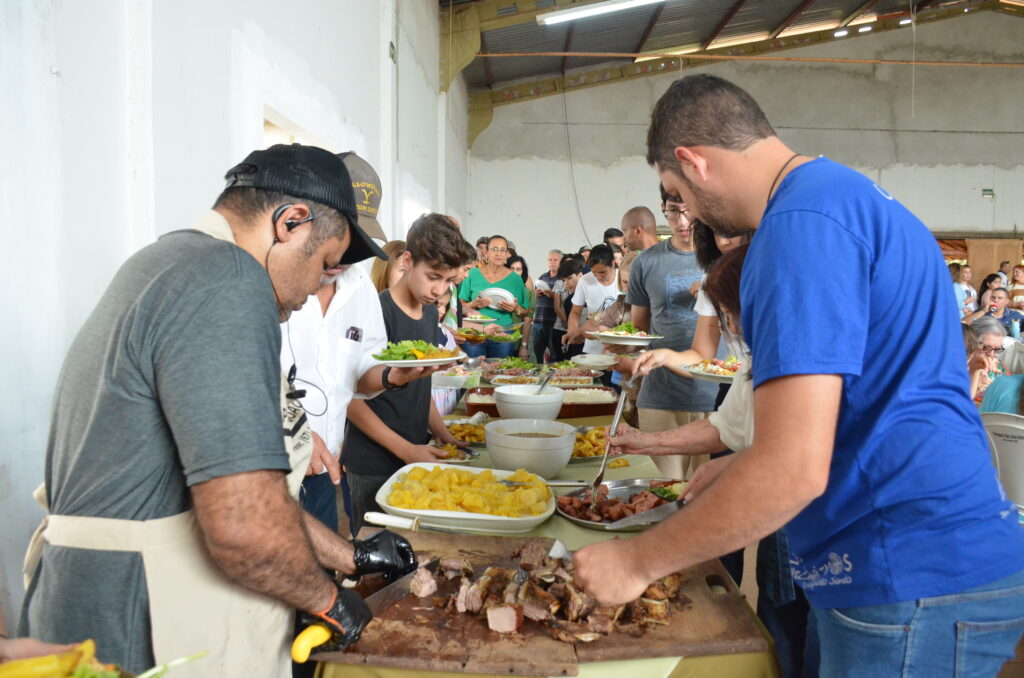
[741, 664]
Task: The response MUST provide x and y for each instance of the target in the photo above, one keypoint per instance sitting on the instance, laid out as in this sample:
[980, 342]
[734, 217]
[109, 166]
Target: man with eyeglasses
[663, 302]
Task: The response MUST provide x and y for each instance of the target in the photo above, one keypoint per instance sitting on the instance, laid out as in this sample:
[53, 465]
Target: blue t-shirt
[912, 507]
[1009, 315]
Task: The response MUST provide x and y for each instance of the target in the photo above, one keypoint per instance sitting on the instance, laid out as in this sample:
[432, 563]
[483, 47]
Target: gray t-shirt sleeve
[636, 293]
[221, 396]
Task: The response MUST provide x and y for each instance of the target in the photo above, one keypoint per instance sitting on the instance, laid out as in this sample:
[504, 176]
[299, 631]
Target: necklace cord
[779, 174]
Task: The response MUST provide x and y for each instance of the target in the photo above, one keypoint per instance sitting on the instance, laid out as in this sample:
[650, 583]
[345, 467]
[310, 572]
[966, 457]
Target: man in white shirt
[330, 344]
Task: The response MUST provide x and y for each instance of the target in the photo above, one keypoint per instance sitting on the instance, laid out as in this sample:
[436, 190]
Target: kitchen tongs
[612, 430]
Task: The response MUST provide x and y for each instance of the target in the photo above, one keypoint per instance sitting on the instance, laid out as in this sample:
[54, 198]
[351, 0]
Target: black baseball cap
[307, 172]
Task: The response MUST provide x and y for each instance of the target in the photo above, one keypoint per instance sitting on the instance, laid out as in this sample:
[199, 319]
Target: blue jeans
[971, 633]
[540, 337]
[491, 349]
[318, 496]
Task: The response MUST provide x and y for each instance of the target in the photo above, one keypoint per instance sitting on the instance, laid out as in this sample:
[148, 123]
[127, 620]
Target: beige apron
[193, 606]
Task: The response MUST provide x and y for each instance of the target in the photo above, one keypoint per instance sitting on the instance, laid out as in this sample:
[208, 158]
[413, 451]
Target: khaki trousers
[673, 465]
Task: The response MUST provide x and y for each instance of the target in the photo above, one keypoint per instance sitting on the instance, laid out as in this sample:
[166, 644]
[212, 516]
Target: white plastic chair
[1006, 435]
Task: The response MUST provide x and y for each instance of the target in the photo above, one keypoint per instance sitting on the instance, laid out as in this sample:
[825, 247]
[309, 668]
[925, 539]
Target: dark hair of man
[526, 269]
[569, 267]
[615, 248]
[723, 282]
[703, 110]
[585, 248]
[249, 203]
[611, 233]
[665, 197]
[601, 254]
[435, 240]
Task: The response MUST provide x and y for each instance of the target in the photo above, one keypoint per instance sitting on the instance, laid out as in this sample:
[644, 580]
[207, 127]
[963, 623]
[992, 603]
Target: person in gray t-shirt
[661, 293]
[169, 401]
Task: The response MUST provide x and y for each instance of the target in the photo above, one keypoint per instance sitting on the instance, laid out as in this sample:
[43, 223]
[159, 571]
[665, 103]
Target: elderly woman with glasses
[495, 274]
[984, 343]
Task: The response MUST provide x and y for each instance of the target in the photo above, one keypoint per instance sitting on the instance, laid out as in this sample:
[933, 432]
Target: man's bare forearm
[699, 437]
[330, 549]
[254, 532]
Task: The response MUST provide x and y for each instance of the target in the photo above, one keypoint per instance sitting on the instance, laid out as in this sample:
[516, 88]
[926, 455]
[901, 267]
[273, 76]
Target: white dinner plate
[424, 362]
[497, 295]
[707, 376]
[623, 340]
[597, 361]
[479, 319]
[462, 520]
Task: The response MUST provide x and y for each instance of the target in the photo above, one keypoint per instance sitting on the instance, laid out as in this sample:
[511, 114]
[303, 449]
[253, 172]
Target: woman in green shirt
[494, 273]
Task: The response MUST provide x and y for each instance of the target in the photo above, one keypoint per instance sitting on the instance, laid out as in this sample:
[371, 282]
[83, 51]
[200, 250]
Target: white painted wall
[933, 137]
[120, 119]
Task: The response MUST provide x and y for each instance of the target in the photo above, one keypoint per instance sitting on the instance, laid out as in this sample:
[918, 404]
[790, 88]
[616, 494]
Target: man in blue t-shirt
[866, 442]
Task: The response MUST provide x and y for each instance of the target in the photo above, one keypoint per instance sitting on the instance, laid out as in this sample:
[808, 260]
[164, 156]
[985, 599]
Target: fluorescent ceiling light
[841, 34]
[906, 22]
[1017, 3]
[864, 29]
[595, 9]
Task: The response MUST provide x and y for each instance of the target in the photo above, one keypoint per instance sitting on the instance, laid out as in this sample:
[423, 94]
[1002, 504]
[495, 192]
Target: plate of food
[719, 371]
[625, 334]
[596, 361]
[468, 430]
[479, 319]
[417, 353]
[589, 447]
[618, 499]
[584, 401]
[503, 380]
[496, 295]
[456, 455]
[468, 499]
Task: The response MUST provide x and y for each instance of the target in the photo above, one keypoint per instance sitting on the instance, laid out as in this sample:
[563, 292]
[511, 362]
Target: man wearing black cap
[171, 527]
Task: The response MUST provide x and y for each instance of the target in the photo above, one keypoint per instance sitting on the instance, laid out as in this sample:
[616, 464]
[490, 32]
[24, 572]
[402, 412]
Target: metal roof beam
[568, 44]
[650, 27]
[855, 14]
[791, 19]
[729, 16]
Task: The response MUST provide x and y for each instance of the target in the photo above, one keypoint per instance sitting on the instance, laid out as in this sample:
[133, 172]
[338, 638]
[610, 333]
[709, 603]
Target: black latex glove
[346, 617]
[384, 552]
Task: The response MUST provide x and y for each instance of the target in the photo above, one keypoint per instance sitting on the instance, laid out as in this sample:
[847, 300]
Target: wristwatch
[388, 386]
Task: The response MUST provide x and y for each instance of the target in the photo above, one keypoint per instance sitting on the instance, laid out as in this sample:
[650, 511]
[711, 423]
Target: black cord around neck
[779, 174]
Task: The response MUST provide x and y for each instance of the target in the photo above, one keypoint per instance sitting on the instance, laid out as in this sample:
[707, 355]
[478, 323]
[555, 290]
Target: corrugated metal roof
[680, 23]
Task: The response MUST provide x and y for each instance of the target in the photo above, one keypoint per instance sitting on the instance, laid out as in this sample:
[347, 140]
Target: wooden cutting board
[413, 634]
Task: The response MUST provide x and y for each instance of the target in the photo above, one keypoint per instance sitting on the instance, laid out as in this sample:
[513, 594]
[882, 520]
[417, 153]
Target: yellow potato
[467, 433]
[460, 490]
[589, 444]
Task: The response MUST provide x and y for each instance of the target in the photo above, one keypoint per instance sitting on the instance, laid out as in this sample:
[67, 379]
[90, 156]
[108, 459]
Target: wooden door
[985, 254]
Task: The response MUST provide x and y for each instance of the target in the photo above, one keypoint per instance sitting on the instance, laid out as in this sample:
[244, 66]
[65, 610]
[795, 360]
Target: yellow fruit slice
[311, 636]
[50, 666]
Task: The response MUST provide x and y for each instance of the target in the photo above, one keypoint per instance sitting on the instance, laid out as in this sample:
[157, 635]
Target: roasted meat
[456, 567]
[505, 618]
[423, 583]
[610, 510]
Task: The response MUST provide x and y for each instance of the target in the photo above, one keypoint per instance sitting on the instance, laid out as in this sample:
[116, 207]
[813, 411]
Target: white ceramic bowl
[521, 401]
[544, 456]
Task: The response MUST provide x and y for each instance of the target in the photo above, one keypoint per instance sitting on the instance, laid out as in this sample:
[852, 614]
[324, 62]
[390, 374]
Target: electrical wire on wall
[572, 172]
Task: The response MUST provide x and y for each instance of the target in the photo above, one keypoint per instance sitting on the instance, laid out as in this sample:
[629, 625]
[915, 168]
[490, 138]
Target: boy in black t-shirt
[392, 430]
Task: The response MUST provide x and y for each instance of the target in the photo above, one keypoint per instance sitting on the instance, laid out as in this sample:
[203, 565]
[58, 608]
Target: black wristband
[388, 386]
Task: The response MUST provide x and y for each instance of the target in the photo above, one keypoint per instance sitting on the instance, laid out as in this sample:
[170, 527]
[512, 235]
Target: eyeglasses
[499, 250]
[991, 349]
[673, 213]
